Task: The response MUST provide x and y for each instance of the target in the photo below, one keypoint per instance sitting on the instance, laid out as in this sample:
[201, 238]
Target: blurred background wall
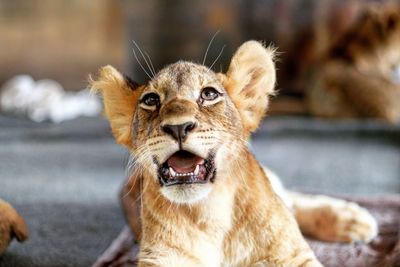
[67, 39]
[62, 40]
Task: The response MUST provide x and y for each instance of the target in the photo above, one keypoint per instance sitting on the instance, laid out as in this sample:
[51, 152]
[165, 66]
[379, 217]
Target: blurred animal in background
[360, 75]
[11, 225]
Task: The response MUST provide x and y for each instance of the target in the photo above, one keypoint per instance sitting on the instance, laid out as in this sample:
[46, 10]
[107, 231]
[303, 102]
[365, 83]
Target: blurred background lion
[359, 76]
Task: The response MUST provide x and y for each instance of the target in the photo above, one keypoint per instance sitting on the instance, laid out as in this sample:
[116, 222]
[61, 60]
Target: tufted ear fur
[250, 81]
[120, 97]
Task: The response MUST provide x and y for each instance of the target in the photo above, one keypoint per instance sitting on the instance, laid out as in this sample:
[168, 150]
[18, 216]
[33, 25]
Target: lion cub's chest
[231, 237]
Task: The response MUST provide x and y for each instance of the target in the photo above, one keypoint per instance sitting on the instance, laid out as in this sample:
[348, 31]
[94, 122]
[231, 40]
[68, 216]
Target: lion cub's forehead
[184, 76]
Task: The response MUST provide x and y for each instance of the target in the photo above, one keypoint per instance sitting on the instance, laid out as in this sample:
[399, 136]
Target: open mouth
[184, 167]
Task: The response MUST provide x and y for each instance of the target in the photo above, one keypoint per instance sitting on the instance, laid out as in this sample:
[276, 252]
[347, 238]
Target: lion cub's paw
[357, 224]
[348, 222]
[11, 225]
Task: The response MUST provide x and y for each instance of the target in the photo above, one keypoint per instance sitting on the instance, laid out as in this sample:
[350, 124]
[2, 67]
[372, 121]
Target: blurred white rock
[14, 94]
[46, 100]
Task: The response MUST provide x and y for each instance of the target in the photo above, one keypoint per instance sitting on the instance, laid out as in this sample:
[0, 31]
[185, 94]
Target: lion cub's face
[187, 126]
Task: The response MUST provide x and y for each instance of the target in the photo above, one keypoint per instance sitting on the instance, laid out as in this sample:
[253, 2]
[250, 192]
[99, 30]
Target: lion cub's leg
[327, 218]
[332, 219]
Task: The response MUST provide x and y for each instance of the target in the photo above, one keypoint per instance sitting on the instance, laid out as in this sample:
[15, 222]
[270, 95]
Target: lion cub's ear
[120, 97]
[250, 81]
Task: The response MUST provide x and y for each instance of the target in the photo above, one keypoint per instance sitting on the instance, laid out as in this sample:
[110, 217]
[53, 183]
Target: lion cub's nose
[179, 131]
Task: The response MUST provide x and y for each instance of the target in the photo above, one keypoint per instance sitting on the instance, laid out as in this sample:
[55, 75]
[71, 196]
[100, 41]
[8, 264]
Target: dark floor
[64, 179]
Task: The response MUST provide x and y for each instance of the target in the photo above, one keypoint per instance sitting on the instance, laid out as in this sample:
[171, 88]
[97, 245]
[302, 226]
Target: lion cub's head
[188, 125]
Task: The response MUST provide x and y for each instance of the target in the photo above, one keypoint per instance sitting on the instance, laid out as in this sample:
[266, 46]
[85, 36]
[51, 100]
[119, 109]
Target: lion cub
[198, 197]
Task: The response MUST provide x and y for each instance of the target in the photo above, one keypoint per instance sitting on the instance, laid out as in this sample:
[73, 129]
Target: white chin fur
[186, 194]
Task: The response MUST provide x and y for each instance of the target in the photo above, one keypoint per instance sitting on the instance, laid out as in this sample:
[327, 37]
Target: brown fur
[355, 79]
[11, 225]
[236, 220]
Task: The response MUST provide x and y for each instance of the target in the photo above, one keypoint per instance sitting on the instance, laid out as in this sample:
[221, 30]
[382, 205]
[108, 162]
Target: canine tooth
[172, 172]
[196, 171]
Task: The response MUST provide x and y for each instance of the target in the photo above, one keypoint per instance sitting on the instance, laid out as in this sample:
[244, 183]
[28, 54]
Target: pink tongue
[184, 162]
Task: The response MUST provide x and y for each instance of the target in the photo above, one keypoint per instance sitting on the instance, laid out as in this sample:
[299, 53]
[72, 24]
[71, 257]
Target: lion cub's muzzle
[179, 131]
[184, 167]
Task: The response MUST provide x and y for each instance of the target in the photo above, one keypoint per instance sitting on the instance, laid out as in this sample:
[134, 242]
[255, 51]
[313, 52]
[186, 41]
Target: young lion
[360, 77]
[197, 196]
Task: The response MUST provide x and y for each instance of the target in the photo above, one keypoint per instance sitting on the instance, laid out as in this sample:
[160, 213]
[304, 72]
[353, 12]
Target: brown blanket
[383, 251]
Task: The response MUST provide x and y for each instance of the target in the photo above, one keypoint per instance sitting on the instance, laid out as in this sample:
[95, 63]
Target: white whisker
[145, 60]
[151, 64]
[208, 47]
[215, 61]
[140, 64]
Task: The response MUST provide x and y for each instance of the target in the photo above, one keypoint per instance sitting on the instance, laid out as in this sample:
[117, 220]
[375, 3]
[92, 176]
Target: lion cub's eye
[209, 94]
[150, 99]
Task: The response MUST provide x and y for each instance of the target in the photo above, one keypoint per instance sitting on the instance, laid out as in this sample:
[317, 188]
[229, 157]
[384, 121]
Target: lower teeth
[173, 173]
[196, 174]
